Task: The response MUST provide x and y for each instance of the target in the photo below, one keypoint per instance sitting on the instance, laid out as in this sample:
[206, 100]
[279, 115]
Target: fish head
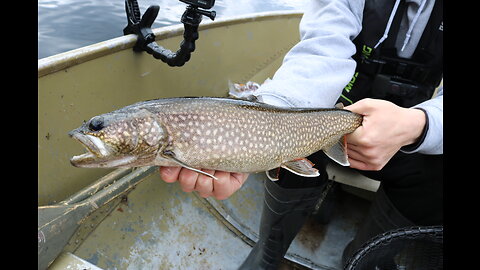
[119, 139]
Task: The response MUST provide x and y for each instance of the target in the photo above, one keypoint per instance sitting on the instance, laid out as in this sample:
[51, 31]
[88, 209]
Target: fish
[215, 133]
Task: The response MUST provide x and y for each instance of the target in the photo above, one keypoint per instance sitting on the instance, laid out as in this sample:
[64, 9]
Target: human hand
[386, 127]
[227, 183]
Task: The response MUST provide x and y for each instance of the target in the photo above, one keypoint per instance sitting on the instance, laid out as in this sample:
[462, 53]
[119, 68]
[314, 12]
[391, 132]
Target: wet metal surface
[158, 226]
[71, 262]
[316, 246]
[57, 223]
[161, 227]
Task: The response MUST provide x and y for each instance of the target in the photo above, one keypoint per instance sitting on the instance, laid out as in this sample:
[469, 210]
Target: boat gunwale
[61, 61]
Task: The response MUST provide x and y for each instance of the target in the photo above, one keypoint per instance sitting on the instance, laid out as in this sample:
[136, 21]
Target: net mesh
[411, 248]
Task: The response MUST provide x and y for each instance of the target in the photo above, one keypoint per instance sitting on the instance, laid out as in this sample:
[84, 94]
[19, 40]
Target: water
[64, 25]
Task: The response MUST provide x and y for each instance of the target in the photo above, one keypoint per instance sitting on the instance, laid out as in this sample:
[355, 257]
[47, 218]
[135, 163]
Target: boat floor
[158, 226]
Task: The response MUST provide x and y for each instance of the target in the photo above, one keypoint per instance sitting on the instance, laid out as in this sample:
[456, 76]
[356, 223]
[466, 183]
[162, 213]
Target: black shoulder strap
[388, 45]
[431, 41]
[375, 18]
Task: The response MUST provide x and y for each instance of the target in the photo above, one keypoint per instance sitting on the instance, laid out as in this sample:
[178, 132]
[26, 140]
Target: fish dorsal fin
[339, 105]
[338, 152]
[171, 156]
[302, 167]
[273, 174]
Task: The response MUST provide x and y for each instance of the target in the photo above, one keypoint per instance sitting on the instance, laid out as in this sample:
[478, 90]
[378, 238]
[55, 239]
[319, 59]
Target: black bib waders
[411, 190]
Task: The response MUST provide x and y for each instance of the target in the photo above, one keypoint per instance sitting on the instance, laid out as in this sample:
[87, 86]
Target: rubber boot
[284, 212]
[382, 217]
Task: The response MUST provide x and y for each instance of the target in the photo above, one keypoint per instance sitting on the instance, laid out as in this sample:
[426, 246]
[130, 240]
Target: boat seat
[347, 176]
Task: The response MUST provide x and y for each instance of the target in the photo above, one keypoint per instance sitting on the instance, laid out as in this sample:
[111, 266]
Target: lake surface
[64, 25]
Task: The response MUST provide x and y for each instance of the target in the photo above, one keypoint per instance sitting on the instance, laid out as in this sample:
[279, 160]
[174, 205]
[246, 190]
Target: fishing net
[411, 248]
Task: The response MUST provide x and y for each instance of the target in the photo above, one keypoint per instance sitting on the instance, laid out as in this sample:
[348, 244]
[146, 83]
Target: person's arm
[316, 69]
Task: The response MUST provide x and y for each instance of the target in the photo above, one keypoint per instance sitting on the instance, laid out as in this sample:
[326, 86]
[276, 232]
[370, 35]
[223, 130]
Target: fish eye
[96, 124]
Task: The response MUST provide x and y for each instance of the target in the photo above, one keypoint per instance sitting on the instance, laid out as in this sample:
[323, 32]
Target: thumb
[363, 106]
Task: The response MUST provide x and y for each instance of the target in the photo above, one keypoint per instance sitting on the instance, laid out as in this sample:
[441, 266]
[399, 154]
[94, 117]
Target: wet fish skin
[211, 133]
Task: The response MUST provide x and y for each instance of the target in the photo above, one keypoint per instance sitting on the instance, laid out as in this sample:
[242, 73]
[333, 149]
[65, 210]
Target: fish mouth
[96, 149]
[98, 154]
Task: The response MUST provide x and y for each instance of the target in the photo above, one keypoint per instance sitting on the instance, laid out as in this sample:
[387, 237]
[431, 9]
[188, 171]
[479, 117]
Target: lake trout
[215, 133]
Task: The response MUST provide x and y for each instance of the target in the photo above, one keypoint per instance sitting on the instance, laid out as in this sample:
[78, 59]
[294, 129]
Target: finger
[352, 152]
[365, 155]
[355, 157]
[222, 188]
[362, 152]
[364, 161]
[169, 174]
[187, 179]
[240, 178]
[228, 184]
[357, 164]
[204, 184]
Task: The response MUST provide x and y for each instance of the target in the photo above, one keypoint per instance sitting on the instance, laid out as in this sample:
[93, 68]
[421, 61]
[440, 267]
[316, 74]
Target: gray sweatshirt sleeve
[316, 69]
[432, 143]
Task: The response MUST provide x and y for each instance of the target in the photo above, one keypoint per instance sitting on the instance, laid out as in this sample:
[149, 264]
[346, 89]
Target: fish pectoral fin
[273, 174]
[338, 152]
[171, 156]
[302, 167]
